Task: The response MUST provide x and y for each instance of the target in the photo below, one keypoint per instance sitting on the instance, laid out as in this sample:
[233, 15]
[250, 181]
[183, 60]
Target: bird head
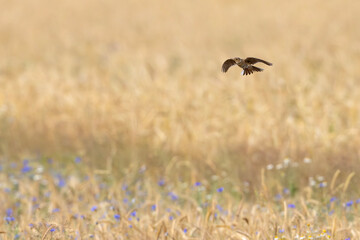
[237, 59]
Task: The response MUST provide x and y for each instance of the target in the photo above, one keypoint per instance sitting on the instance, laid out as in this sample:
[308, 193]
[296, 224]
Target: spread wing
[227, 64]
[252, 60]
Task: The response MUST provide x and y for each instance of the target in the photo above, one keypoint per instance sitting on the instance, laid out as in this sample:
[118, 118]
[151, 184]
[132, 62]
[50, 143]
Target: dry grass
[134, 84]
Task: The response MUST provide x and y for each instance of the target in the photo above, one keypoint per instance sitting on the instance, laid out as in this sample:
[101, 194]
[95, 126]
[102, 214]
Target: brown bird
[246, 64]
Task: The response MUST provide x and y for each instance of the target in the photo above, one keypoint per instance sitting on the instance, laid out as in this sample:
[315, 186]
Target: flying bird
[246, 64]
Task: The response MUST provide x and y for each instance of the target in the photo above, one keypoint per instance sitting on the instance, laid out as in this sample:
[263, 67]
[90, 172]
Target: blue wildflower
[185, 230]
[9, 219]
[153, 207]
[291, 205]
[197, 184]
[173, 196]
[78, 160]
[333, 199]
[52, 230]
[358, 201]
[171, 218]
[349, 203]
[220, 189]
[61, 181]
[26, 168]
[286, 191]
[94, 208]
[133, 213]
[130, 226]
[278, 196]
[55, 210]
[17, 236]
[9, 212]
[161, 182]
[117, 217]
[281, 230]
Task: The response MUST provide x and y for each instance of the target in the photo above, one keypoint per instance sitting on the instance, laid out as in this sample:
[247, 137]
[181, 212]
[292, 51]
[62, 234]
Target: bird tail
[257, 69]
[247, 71]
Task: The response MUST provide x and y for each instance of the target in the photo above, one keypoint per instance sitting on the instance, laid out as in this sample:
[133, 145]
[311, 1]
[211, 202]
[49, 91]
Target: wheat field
[116, 121]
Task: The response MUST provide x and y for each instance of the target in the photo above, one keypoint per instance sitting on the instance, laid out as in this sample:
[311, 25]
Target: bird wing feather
[252, 60]
[227, 64]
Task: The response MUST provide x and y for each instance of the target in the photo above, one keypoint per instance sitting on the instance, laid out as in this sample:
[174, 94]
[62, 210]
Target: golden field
[135, 89]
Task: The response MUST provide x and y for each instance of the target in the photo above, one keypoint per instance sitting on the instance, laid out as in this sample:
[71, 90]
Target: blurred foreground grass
[48, 200]
[133, 86]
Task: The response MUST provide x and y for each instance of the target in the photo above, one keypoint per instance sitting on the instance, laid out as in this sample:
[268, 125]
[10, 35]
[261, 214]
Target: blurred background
[139, 84]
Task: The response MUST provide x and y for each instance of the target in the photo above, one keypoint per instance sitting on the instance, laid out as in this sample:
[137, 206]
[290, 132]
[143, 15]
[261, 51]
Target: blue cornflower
[173, 196]
[197, 184]
[17, 236]
[153, 207]
[185, 230]
[31, 225]
[171, 218]
[161, 182]
[219, 207]
[333, 199]
[78, 160]
[55, 210]
[117, 217]
[349, 203]
[291, 205]
[278, 196]
[26, 168]
[220, 189]
[347, 239]
[52, 230]
[133, 213]
[322, 185]
[358, 201]
[9, 212]
[281, 230]
[61, 181]
[286, 191]
[9, 219]
[130, 226]
[94, 208]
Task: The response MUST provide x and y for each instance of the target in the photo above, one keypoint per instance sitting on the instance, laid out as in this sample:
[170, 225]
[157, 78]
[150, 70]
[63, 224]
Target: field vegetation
[116, 121]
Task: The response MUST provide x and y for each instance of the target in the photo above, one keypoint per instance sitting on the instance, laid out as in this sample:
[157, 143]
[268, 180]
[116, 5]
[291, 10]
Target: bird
[246, 64]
